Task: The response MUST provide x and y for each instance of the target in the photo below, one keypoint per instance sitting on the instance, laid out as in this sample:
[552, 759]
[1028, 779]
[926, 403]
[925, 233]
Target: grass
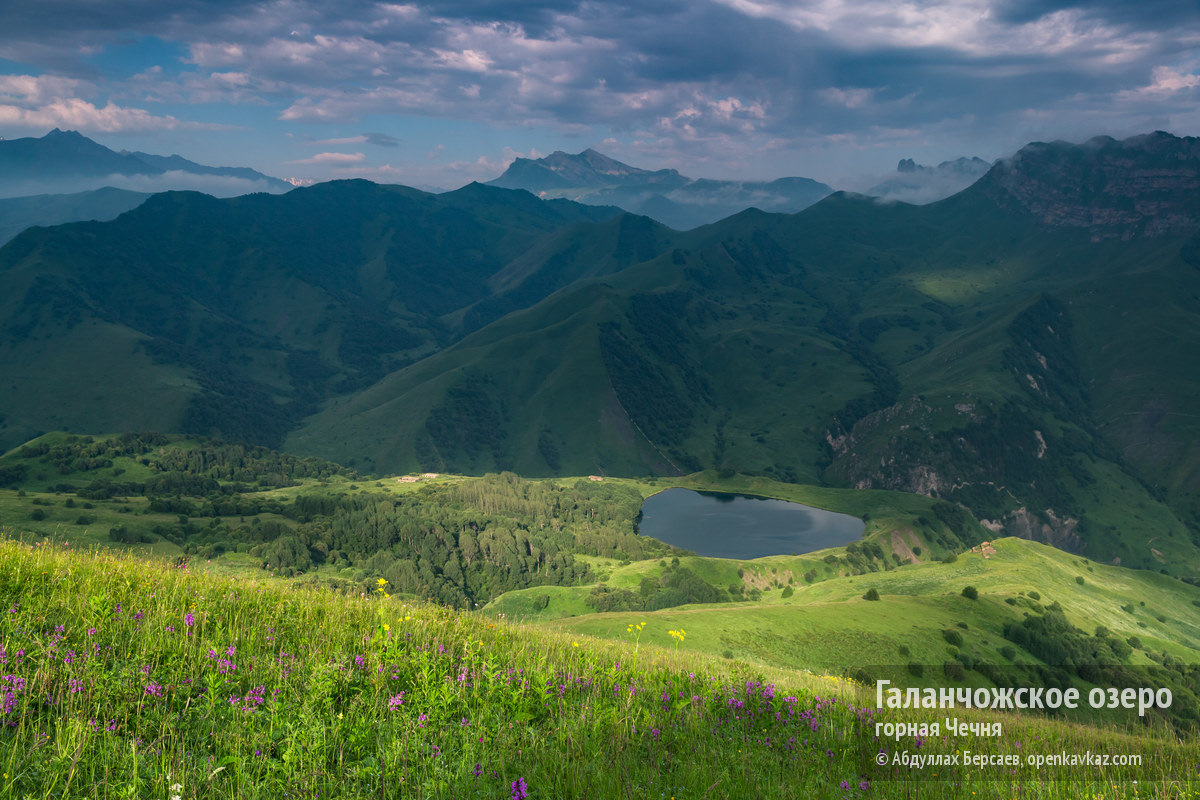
[130, 678]
[829, 626]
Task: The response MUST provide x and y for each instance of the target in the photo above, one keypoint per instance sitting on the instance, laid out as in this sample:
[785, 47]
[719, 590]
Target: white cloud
[77, 114]
[43, 101]
[332, 158]
[1168, 81]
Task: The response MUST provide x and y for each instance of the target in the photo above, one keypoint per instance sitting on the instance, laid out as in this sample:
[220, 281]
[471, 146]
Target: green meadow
[160, 640]
[129, 677]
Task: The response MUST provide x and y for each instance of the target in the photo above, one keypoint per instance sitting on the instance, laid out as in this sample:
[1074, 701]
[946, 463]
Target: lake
[740, 526]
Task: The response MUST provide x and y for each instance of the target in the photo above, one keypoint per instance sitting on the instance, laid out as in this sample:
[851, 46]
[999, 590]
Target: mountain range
[918, 183]
[1023, 348]
[663, 195]
[67, 162]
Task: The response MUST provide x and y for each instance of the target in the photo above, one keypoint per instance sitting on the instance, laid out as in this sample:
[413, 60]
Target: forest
[457, 541]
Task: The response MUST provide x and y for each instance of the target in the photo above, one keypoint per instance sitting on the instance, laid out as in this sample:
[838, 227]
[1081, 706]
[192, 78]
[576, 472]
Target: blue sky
[442, 93]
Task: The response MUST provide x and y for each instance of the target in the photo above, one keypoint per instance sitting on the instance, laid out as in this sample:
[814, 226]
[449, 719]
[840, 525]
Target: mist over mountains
[1023, 348]
[919, 184]
[663, 195]
[66, 162]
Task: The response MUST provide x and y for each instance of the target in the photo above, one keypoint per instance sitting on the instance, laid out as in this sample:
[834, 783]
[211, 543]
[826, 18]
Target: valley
[369, 404]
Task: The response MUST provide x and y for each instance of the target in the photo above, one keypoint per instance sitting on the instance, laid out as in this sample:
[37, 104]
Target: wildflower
[519, 789]
[395, 701]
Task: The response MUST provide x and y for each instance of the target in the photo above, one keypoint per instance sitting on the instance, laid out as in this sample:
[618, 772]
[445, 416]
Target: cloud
[173, 180]
[727, 83]
[77, 114]
[332, 158]
[377, 139]
[46, 101]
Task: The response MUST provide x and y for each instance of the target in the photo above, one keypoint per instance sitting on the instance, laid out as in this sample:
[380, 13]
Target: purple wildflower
[519, 789]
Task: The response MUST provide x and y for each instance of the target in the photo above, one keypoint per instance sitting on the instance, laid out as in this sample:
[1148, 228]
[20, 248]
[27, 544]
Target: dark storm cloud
[381, 140]
[1147, 14]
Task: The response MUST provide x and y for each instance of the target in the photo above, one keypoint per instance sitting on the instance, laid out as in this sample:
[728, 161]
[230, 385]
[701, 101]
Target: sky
[437, 94]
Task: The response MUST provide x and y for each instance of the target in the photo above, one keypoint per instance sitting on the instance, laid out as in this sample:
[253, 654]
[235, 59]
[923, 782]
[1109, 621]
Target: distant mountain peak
[919, 184]
[664, 195]
[66, 161]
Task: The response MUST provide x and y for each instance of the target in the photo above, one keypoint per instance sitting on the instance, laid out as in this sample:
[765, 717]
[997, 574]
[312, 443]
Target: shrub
[970, 592]
[871, 594]
[952, 637]
[1079, 579]
[954, 671]
[1035, 596]
[1009, 652]
[38, 515]
[950, 558]
[788, 592]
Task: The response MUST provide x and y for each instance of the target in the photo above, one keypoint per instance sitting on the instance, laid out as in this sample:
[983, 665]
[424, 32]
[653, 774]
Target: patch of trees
[1102, 660]
[192, 470]
[460, 543]
[676, 586]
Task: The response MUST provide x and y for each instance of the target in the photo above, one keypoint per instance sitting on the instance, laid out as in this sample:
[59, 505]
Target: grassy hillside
[828, 625]
[130, 678]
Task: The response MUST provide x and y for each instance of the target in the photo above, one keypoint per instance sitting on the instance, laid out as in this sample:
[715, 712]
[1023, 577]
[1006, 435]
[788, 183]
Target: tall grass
[125, 678]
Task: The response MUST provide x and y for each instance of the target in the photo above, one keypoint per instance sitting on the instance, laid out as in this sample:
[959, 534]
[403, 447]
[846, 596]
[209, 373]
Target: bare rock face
[1144, 186]
[1048, 528]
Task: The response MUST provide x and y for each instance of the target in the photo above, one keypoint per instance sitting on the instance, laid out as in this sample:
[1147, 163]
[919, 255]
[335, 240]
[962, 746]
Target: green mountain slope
[1039, 373]
[237, 316]
[1024, 348]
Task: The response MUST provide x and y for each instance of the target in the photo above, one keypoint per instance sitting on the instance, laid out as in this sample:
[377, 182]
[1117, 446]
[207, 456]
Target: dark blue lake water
[738, 526]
